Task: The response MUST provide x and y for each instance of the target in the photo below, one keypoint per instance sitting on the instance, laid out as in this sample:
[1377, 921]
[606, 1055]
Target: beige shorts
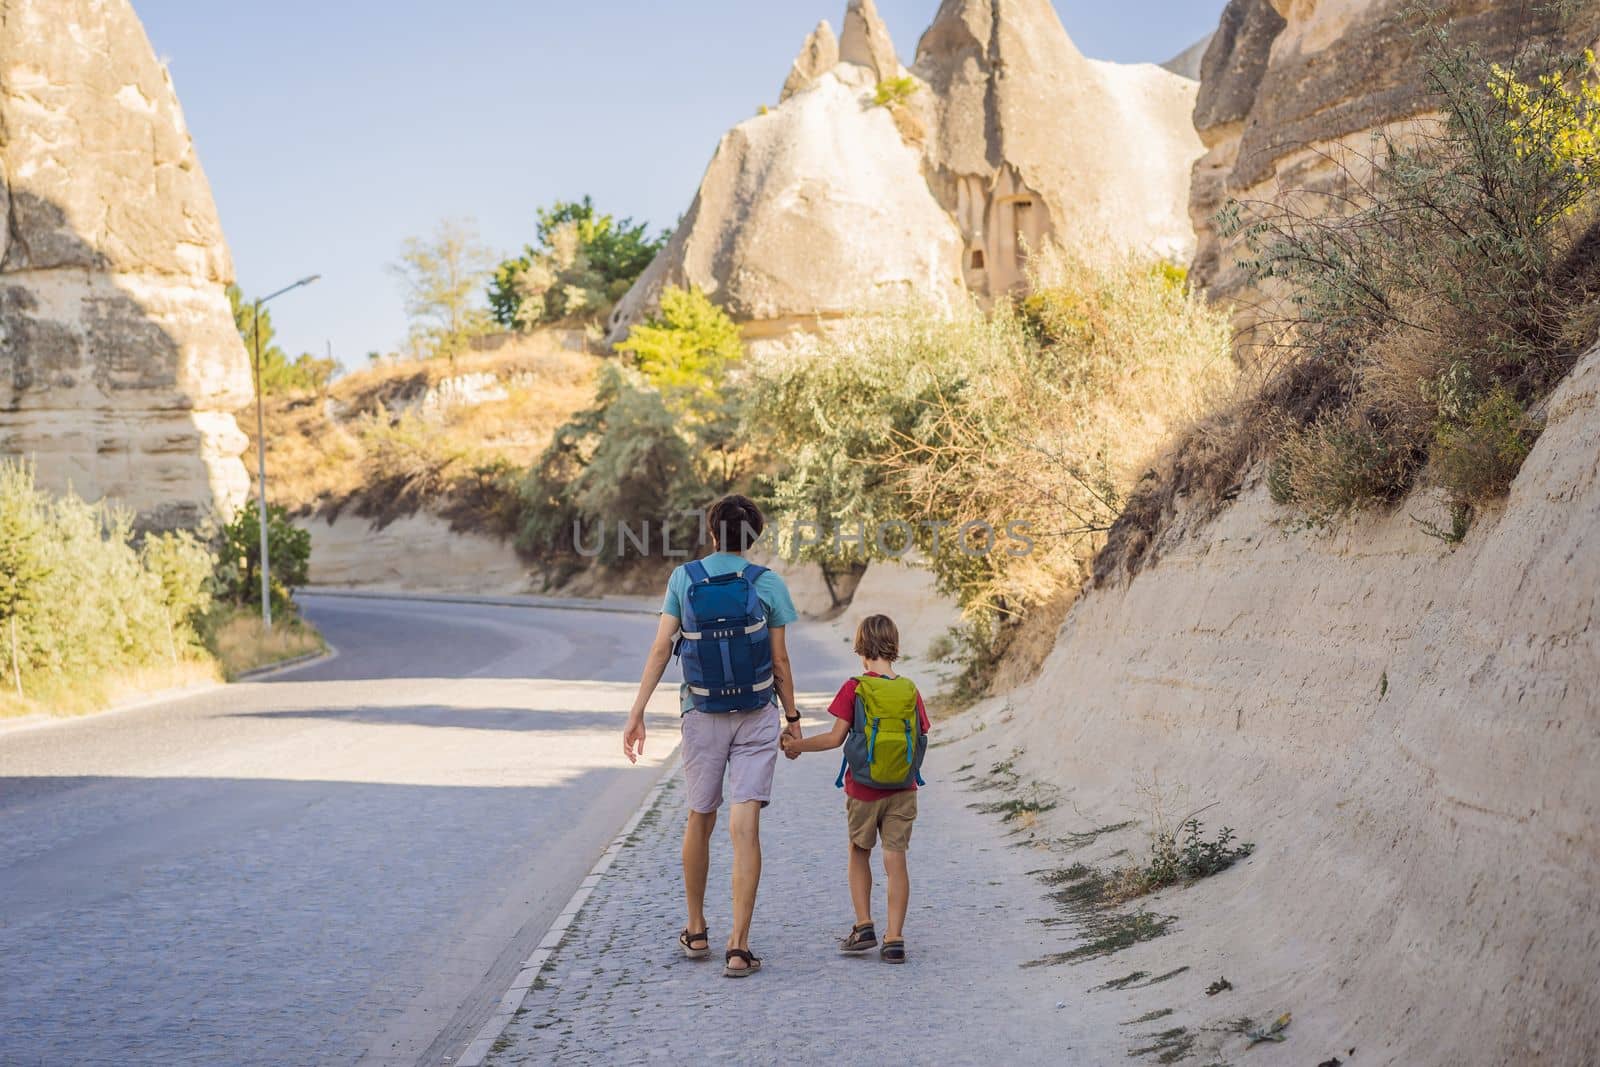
[889, 818]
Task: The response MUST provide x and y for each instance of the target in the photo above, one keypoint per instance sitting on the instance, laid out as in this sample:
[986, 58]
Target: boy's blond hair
[878, 638]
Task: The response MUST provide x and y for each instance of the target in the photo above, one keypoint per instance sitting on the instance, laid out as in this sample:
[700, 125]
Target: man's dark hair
[735, 522]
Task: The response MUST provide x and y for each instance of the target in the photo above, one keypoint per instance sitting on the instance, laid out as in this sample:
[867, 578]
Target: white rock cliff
[119, 362]
[828, 204]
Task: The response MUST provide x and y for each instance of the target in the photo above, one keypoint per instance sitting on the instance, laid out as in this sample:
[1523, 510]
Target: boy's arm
[820, 742]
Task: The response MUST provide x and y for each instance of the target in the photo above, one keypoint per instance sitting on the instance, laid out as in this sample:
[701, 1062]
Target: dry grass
[63, 697]
[241, 644]
[391, 439]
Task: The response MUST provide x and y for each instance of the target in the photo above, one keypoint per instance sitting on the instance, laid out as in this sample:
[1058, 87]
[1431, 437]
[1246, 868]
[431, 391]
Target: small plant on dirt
[1181, 856]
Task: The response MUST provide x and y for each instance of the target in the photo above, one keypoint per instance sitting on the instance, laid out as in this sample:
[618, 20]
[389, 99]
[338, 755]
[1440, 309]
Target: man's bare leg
[744, 826]
[696, 862]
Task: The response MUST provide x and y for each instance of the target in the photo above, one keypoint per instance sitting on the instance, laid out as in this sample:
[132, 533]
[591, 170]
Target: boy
[874, 813]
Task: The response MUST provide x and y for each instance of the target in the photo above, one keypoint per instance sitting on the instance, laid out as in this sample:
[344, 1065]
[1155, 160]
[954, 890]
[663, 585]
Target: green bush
[685, 350]
[1423, 310]
[81, 601]
[627, 459]
[238, 572]
[1475, 458]
[894, 92]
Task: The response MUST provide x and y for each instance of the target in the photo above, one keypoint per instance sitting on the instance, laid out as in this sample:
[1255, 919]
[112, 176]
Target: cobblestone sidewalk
[618, 991]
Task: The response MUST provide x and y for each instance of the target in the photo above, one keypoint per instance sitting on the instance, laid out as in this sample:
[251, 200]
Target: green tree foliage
[440, 278]
[582, 263]
[279, 374]
[238, 572]
[685, 350]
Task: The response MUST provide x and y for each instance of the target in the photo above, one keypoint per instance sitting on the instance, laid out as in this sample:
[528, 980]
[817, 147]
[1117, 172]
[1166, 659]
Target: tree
[684, 349]
[439, 277]
[279, 374]
[582, 264]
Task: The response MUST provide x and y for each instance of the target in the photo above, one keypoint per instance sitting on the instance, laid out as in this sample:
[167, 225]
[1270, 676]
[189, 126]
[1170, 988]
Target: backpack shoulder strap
[754, 571]
[696, 572]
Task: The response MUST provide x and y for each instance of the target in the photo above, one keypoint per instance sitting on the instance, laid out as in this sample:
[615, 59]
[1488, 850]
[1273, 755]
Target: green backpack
[886, 742]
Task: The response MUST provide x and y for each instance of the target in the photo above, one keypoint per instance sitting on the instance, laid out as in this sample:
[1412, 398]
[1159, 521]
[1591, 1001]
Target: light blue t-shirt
[770, 590]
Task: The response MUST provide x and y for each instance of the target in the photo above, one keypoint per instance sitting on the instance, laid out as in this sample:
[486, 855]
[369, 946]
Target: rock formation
[119, 362]
[829, 204]
[1286, 81]
[818, 55]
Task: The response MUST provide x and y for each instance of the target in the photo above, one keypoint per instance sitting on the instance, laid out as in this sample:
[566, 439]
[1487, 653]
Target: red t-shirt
[844, 707]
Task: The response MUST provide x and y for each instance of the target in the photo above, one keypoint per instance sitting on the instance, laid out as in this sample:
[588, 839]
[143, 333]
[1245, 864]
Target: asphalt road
[343, 864]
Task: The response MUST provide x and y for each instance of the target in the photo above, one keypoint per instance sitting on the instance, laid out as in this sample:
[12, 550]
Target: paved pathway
[618, 991]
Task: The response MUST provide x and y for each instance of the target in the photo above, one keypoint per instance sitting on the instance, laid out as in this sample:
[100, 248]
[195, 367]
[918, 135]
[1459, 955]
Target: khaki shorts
[889, 818]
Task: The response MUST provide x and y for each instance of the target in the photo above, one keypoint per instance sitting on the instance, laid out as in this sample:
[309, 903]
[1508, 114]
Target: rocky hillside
[860, 189]
[1407, 732]
[1292, 90]
[119, 363]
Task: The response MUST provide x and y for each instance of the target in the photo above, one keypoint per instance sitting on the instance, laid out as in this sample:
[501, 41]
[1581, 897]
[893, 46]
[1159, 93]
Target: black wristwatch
[790, 718]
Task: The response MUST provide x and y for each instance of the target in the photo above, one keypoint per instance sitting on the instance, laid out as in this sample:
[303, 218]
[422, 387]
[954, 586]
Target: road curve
[342, 864]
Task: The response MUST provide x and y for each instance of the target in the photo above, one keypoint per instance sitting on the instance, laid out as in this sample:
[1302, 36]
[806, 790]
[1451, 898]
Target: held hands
[790, 737]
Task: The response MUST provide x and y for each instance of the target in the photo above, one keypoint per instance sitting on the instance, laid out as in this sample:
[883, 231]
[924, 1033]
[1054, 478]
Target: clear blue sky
[332, 131]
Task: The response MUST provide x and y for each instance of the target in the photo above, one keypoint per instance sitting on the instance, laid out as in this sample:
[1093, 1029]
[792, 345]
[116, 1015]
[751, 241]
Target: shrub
[1031, 420]
[625, 460]
[81, 603]
[894, 92]
[1180, 856]
[1425, 319]
[1476, 458]
[238, 573]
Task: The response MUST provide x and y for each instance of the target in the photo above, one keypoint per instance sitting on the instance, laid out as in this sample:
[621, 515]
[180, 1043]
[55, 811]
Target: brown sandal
[752, 964]
[687, 940]
[893, 951]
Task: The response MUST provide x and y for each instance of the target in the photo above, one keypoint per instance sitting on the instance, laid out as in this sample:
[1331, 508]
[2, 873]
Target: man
[741, 743]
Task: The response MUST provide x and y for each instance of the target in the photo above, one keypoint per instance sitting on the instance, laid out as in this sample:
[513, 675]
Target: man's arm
[783, 677]
[819, 742]
[655, 665]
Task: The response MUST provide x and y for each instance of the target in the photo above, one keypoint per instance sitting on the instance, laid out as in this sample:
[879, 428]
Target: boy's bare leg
[696, 863]
[861, 882]
[894, 865]
[744, 826]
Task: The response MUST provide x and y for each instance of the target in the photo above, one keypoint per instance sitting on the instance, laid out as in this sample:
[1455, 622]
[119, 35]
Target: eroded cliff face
[1408, 732]
[1286, 83]
[119, 361]
[829, 205]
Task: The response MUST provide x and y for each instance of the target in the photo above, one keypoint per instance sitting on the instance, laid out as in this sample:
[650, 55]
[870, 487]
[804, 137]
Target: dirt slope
[1408, 732]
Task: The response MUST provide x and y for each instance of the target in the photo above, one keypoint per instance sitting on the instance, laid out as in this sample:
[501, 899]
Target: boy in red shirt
[871, 813]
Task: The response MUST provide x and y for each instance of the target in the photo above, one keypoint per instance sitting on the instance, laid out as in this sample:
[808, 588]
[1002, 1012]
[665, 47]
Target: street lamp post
[261, 451]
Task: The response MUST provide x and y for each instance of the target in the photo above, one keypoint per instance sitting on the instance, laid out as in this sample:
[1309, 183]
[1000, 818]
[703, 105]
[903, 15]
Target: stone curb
[546, 603]
[482, 1045]
[287, 665]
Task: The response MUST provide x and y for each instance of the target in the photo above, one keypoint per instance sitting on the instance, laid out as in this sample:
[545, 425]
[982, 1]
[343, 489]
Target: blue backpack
[724, 645]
